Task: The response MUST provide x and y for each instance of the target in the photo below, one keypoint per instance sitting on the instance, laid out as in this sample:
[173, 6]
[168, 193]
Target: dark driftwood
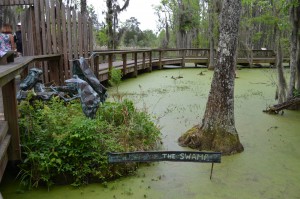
[275, 109]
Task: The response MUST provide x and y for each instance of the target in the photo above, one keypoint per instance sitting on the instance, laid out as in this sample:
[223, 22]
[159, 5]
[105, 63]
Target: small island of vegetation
[61, 145]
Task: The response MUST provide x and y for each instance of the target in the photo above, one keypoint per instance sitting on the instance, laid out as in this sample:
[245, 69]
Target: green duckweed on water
[269, 168]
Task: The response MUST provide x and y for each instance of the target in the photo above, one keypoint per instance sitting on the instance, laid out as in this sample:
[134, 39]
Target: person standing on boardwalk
[18, 40]
[6, 40]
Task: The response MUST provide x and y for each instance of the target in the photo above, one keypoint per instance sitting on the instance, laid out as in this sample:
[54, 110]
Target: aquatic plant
[61, 145]
[115, 80]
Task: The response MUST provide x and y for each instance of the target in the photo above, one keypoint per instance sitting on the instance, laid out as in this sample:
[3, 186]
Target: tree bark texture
[298, 66]
[282, 85]
[113, 9]
[211, 22]
[294, 17]
[83, 6]
[218, 132]
[186, 25]
[109, 22]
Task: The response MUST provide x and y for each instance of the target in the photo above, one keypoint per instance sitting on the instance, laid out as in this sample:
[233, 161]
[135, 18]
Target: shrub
[61, 145]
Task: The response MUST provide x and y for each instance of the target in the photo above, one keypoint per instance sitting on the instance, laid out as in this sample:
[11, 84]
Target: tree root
[200, 139]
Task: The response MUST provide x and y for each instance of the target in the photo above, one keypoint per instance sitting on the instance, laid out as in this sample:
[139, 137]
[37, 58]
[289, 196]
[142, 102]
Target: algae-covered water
[269, 168]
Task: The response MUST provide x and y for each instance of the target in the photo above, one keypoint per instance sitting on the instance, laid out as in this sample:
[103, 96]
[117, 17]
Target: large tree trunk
[165, 43]
[211, 22]
[294, 17]
[183, 32]
[298, 66]
[109, 22]
[113, 9]
[218, 132]
[281, 93]
[214, 9]
[83, 7]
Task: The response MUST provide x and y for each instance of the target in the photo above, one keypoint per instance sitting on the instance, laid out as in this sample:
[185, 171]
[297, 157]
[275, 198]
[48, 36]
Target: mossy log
[275, 109]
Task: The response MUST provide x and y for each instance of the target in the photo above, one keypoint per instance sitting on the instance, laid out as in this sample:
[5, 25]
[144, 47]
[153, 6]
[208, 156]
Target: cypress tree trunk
[113, 9]
[298, 66]
[294, 17]
[217, 131]
[211, 22]
[109, 22]
[83, 7]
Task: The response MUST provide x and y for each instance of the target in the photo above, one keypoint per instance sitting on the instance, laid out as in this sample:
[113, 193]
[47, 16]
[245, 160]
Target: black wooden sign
[176, 156]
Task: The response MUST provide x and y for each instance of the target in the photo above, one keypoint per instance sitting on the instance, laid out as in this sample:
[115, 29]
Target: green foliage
[115, 80]
[133, 36]
[188, 15]
[185, 18]
[19, 9]
[60, 144]
[296, 93]
[262, 21]
[149, 39]
[115, 77]
[257, 36]
[102, 37]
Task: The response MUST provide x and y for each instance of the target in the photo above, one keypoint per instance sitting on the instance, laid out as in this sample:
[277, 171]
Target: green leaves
[115, 77]
[58, 140]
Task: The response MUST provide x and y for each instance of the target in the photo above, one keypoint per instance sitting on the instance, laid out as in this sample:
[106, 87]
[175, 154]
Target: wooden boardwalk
[135, 61]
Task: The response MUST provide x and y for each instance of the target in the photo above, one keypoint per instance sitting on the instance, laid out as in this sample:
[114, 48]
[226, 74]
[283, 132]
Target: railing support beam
[135, 73]
[11, 116]
[124, 58]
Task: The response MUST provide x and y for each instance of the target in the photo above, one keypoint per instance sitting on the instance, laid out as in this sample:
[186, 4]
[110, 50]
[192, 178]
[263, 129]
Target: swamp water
[269, 168]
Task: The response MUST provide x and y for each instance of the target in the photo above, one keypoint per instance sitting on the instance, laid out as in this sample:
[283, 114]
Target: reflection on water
[268, 168]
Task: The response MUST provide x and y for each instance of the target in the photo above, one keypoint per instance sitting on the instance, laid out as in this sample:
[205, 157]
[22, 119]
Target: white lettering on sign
[189, 156]
[165, 156]
[169, 156]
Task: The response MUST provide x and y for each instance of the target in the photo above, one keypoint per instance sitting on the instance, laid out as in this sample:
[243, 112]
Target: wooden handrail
[8, 72]
[11, 70]
[136, 59]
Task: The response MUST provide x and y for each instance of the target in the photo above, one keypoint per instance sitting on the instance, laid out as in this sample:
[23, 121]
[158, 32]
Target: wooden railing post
[160, 59]
[55, 66]
[110, 64]
[183, 58]
[96, 65]
[144, 60]
[11, 116]
[135, 65]
[124, 58]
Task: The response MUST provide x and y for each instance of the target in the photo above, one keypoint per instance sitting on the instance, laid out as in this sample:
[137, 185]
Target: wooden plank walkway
[160, 57]
[141, 64]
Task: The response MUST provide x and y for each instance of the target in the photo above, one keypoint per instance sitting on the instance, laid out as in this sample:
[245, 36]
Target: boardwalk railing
[9, 128]
[127, 61]
[132, 61]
